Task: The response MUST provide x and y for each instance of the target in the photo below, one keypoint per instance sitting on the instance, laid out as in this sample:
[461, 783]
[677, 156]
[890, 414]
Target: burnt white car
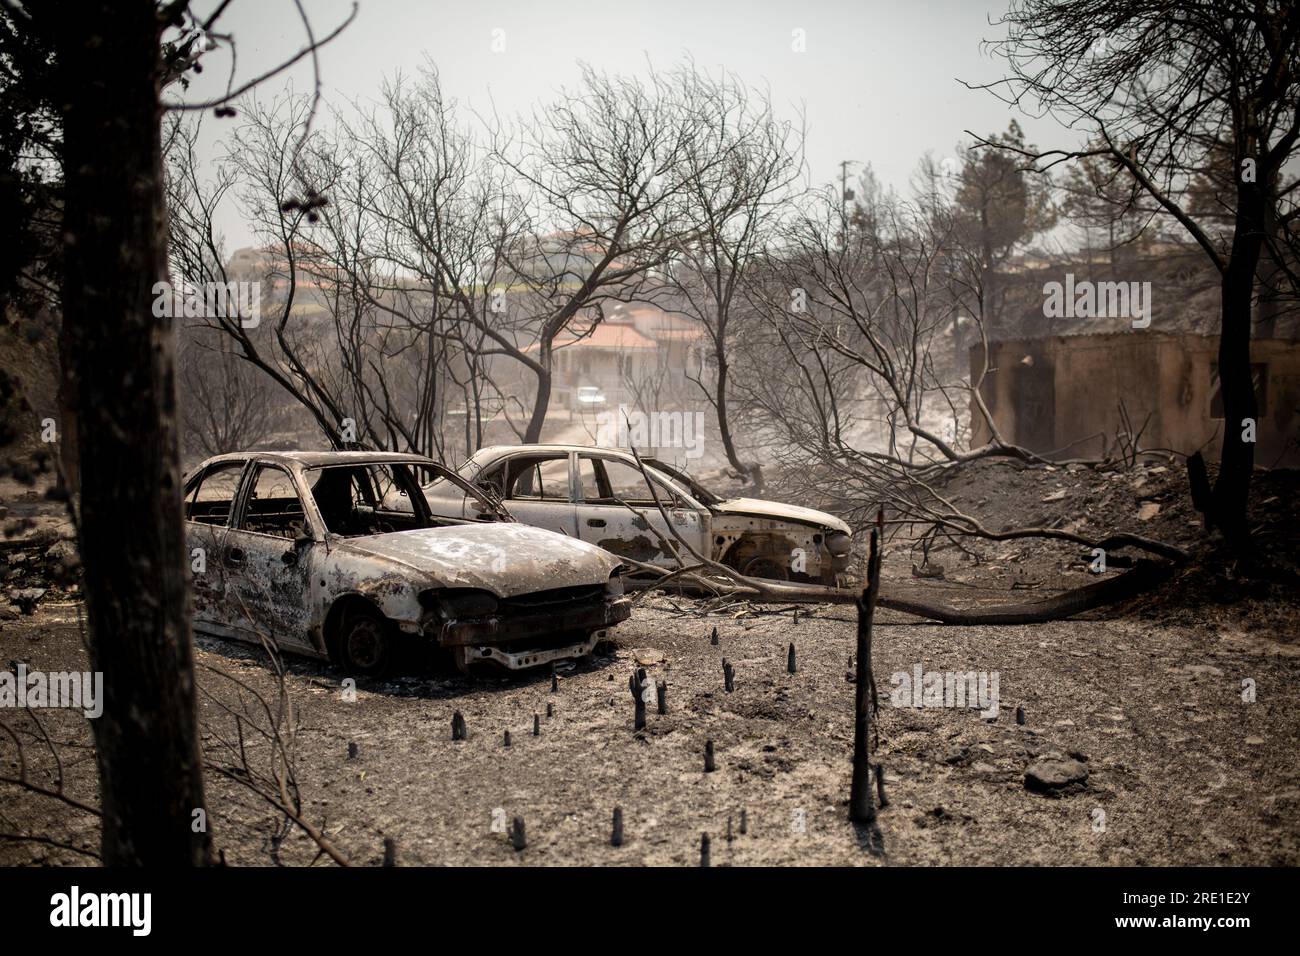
[337, 555]
[585, 493]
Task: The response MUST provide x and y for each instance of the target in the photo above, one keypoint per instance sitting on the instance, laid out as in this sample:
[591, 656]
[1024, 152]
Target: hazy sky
[878, 80]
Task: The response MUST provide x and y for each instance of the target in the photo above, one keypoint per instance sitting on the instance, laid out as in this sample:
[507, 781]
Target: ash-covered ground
[1169, 725]
[1180, 770]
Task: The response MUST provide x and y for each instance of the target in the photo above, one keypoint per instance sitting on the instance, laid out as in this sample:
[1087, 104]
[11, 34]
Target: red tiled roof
[605, 336]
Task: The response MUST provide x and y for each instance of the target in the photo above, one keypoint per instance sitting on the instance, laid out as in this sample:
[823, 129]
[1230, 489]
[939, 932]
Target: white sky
[878, 80]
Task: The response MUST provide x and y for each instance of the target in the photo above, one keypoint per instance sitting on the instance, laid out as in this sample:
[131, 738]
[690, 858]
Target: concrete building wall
[1062, 394]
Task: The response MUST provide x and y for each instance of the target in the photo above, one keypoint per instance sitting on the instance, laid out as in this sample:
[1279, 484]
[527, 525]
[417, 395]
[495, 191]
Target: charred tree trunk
[862, 809]
[1236, 385]
[542, 398]
[132, 544]
[752, 472]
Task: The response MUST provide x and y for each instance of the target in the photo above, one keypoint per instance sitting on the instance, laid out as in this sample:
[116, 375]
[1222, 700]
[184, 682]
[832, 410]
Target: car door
[617, 512]
[269, 550]
[537, 489]
[209, 501]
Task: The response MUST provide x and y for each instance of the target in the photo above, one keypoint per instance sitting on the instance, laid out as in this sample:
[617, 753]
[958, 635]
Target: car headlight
[838, 543]
[614, 586]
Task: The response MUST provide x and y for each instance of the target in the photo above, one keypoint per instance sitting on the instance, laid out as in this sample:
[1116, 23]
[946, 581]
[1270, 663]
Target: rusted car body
[337, 555]
[599, 495]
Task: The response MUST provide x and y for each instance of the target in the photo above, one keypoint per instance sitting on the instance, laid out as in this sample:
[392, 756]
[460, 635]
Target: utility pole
[846, 195]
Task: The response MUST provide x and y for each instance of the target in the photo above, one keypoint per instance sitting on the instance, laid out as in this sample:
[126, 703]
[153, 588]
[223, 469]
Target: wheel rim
[765, 568]
[365, 644]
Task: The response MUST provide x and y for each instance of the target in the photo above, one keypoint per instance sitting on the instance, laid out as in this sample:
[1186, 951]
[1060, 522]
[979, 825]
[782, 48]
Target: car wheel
[364, 642]
[766, 567]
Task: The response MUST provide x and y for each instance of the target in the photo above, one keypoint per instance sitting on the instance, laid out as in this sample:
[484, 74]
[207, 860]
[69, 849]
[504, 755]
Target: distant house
[639, 355]
[1055, 382]
[1060, 395]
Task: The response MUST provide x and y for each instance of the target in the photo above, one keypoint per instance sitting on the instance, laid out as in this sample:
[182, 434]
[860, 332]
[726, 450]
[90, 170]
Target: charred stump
[861, 806]
[636, 683]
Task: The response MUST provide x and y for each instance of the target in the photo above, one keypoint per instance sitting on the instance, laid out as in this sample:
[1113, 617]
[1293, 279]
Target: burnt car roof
[318, 459]
[496, 451]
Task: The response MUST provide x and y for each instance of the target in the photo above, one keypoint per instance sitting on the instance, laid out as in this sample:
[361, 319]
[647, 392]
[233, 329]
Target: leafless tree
[226, 404]
[609, 176]
[1159, 89]
[845, 366]
[438, 219]
[735, 205]
[1102, 199]
[283, 347]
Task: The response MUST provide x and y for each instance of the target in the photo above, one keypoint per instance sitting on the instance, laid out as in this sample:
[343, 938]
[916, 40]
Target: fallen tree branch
[954, 520]
[1143, 576]
[725, 581]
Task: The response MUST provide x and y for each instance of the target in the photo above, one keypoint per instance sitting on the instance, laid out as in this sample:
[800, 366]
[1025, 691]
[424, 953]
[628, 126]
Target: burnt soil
[1148, 696]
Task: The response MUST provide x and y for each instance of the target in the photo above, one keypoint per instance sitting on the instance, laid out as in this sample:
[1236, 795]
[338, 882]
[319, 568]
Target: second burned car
[600, 495]
[337, 555]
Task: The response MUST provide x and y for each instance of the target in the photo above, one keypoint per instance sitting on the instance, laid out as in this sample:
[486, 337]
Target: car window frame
[202, 475]
[249, 482]
[652, 474]
[695, 489]
[570, 459]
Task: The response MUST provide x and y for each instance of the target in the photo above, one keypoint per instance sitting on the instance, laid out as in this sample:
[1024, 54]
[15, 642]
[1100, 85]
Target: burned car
[585, 493]
[337, 555]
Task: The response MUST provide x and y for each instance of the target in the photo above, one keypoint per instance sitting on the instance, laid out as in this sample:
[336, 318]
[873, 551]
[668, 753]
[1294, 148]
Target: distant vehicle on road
[588, 397]
[337, 555]
[599, 495]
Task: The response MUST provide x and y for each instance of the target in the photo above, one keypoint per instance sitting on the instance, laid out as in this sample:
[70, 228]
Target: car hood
[757, 508]
[505, 558]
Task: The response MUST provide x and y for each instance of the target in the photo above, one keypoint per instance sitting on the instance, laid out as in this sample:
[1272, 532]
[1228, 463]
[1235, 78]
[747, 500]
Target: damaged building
[1054, 395]
[1070, 387]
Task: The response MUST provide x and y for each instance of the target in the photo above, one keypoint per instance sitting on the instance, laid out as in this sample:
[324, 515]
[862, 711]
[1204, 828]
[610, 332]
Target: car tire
[764, 566]
[364, 642]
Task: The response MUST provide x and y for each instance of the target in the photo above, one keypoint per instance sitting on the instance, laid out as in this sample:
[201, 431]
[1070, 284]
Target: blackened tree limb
[862, 808]
[1139, 580]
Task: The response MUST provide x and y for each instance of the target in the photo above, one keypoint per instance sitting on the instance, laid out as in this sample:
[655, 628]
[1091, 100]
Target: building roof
[606, 336]
[1182, 293]
[687, 335]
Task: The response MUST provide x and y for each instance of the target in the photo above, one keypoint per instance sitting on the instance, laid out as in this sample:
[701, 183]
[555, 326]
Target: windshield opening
[702, 494]
[368, 498]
